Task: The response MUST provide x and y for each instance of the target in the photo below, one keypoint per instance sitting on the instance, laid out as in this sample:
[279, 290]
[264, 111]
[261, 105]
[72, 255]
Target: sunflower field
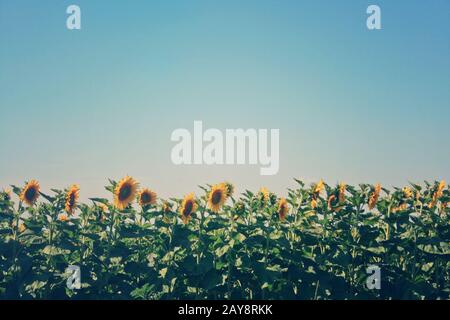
[317, 243]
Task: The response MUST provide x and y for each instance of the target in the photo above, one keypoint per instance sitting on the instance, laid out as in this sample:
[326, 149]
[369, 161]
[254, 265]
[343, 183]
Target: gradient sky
[351, 104]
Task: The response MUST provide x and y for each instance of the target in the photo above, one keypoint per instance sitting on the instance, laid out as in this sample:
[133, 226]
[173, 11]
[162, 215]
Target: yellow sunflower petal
[283, 209]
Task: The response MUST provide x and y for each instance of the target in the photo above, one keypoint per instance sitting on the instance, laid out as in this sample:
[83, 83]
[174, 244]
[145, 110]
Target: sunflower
[63, 218]
[188, 206]
[166, 207]
[319, 187]
[7, 194]
[331, 201]
[438, 193]
[441, 188]
[264, 194]
[30, 192]
[283, 209]
[217, 197]
[72, 198]
[313, 203]
[342, 188]
[146, 197]
[407, 192]
[103, 211]
[230, 189]
[125, 192]
[374, 196]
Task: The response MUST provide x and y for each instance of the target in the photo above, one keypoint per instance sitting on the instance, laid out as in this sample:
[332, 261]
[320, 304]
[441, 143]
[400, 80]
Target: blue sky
[351, 104]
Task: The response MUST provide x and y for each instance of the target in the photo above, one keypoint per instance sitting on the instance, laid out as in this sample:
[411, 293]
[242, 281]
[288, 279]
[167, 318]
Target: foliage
[321, 250]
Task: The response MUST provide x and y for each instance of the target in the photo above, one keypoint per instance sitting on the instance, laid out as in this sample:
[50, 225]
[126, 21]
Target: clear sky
[351, 104]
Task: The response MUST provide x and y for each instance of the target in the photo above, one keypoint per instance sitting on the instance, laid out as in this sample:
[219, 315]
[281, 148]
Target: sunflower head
[342, 188]
[264, 194]
[30, 192]
[63, 217]
[72, 196]
[407, 192]
[166, 207]
[283, 209]
[217, 197]
[124, 192]
[146, 197]
[188, 207]
[440, 189]
[331, 201]
[230, 189]
[103, 210]
[319, 187]
[374, 196]
[6, 194]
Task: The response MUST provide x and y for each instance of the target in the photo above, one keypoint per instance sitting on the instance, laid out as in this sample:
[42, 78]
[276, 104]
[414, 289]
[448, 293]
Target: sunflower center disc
[125, 192]
[187, 208]
[30, 193]
[145, 197]
[216, 197]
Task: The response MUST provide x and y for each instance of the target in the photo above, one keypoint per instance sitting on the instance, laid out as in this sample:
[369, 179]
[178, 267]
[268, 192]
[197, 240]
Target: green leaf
[211, 279]
[222, 250]
[54, 251]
